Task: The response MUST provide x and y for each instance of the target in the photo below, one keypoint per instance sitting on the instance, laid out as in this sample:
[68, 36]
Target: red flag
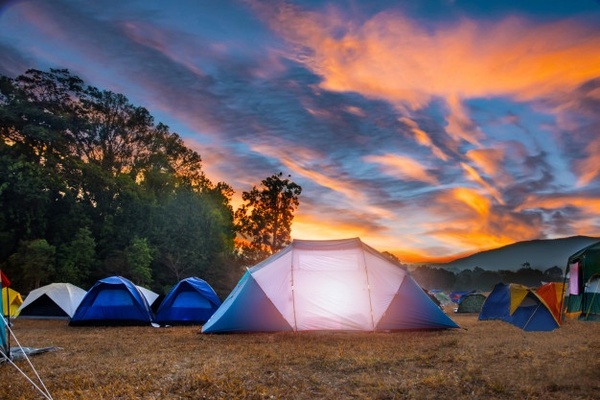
[5, 280]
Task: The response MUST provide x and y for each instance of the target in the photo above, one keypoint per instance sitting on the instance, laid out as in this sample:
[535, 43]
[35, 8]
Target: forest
[93, 187]
[483, 280]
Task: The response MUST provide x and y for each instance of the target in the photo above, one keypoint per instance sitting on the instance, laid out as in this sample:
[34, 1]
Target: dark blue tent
[519, 306]
[113, 301]
[191, 301]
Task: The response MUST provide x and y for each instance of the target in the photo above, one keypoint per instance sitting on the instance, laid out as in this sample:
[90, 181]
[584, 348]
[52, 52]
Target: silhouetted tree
[265, 221]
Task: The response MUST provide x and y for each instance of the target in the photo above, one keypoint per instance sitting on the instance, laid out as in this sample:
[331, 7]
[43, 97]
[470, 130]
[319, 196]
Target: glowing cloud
[392, 57]
[423, 138]
[403, 167]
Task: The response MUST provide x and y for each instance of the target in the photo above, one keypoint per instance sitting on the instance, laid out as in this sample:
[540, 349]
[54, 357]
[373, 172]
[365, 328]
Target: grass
[487, 360]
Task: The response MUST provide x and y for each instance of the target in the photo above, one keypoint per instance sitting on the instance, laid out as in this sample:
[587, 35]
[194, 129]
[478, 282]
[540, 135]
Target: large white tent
[327, 285]
[53, 300]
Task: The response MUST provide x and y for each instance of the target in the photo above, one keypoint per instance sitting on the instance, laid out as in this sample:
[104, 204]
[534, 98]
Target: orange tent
[553, 294]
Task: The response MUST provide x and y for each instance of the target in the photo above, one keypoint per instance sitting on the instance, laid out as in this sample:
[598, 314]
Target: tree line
[92, 187]
[483, 280]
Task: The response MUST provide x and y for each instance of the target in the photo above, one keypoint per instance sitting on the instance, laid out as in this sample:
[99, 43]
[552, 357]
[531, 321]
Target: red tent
[553, 294]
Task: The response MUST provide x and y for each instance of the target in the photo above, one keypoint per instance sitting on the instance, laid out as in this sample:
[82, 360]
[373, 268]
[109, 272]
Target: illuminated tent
[519, 306]
[113, 301]
[327, 285]
[11, 301]
[56, 300]
[191, 301]
[583, 270]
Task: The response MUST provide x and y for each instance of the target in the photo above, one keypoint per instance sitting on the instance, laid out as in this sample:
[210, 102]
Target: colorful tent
[113, 301]
[520, 306]
[4, 346]
[441, 297]
[11, 301]
[327, 285]
[470, 303]
[191, 301]
[553, 294]
[455, 296]
[56, 300]
[583, 271]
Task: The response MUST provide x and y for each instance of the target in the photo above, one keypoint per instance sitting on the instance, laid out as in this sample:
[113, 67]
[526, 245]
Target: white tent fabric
[65, 295]
[327, 285]
[148, 294]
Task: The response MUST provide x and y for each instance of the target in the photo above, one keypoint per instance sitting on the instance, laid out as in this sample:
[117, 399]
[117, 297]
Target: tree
[139, 257]
[76, 258]
[265, 221]
[35, 261]
[74, 156]
[554, 274]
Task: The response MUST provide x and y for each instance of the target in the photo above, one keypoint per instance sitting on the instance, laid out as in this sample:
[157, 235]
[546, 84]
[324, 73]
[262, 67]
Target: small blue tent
[191, 301]
[519, 306]
[113, 301]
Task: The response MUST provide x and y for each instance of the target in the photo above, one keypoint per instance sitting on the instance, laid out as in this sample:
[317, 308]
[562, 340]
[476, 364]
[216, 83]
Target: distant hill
[540, 254]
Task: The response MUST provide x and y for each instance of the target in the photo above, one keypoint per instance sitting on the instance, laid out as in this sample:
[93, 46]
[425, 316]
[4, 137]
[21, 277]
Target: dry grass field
[486, 360]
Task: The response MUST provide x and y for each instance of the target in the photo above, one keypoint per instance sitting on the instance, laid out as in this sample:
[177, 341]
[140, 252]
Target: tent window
[593, 285]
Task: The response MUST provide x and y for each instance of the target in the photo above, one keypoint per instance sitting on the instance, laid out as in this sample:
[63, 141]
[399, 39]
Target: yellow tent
[14, 301]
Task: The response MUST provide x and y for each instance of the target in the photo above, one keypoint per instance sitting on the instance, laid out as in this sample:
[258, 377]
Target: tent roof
[589, 260]
[191, 301]
[65, 295]
[14, 301]
[327, 285]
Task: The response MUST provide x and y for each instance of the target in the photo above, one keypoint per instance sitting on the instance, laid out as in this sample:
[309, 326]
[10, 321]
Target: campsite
[319, 319]
[483, 360]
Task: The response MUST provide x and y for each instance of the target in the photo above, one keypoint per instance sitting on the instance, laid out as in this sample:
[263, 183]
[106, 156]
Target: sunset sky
[430, 129]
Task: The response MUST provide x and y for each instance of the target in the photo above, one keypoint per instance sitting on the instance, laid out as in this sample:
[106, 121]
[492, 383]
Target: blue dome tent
[191, 301]
[113, 301]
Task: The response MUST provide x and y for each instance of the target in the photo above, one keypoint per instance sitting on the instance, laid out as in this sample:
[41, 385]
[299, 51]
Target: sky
[430, 129]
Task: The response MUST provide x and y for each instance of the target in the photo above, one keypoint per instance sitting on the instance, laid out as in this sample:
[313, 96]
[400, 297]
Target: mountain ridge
[538, 254]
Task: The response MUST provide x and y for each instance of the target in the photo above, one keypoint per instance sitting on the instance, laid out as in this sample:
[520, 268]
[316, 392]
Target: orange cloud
[460, 125]
[400, 166]
[488, 160]
[475, 224]
[392, 57]
[587, 168]
[423, 138]
[474, 176]
[589, 205]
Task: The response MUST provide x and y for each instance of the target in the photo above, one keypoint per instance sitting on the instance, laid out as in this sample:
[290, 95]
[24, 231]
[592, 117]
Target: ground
[483, 360]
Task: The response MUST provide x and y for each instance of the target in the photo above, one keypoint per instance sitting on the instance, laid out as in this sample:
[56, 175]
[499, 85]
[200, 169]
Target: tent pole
[531, 316]
[562, 297]
[7, 323]
[589, 309]
[7, 320]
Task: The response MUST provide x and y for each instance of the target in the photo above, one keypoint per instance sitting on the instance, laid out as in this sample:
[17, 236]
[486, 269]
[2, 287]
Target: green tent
[583, 272]
[471, 303]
